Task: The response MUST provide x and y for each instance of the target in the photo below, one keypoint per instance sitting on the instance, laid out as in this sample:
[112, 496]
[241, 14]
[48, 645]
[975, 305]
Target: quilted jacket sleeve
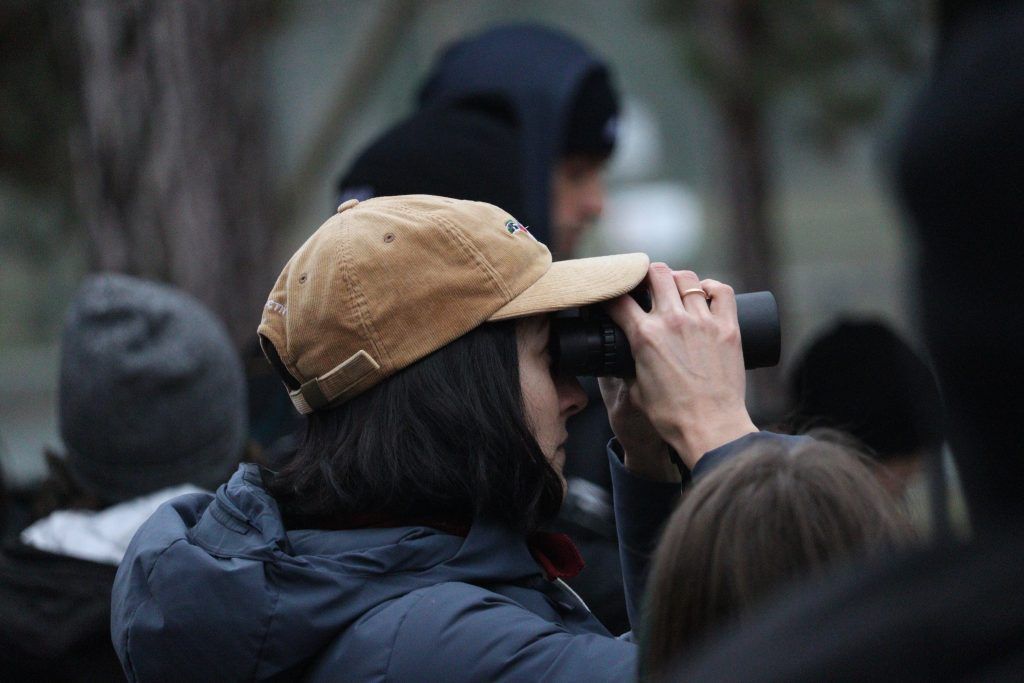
[477, 635]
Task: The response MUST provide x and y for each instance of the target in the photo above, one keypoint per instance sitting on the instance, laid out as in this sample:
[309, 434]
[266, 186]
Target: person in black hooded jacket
[562, 97]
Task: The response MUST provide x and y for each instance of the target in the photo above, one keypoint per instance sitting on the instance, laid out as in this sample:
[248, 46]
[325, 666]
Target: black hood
[537, 72]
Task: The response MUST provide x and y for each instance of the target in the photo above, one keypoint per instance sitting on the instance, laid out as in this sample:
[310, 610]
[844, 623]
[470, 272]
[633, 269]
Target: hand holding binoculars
[585, 341]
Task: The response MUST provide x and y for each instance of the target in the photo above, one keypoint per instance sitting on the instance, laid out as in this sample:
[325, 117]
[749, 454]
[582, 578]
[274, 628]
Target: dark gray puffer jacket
[213, 587]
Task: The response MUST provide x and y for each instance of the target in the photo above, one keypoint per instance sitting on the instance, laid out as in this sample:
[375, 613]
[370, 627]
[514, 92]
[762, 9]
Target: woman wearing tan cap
[403, 541]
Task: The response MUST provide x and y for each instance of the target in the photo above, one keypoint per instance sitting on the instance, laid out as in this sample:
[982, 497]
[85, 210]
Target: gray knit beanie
[152, 392]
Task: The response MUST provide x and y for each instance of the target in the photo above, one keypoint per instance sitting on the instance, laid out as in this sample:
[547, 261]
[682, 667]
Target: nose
[571, 397]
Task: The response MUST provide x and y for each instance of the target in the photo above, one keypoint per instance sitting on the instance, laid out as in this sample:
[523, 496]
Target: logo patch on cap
[513, 226]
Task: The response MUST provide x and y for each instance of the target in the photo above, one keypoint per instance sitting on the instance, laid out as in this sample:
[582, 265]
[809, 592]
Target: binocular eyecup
[586, 342]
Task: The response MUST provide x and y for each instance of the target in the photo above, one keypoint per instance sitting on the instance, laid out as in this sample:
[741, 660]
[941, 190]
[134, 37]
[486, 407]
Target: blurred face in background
[577, 200]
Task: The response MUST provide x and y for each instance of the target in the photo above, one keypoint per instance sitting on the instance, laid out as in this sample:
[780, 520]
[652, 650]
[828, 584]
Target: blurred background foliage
[837, 61]
[199, 141]
[841, 58]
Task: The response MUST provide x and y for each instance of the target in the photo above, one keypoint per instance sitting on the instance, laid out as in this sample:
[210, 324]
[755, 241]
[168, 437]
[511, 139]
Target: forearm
[641, 507]
[653, 463]
[691, 439]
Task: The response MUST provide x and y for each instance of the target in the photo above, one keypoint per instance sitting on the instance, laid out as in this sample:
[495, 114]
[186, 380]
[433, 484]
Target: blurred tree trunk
[735, 34]
[737, 29]
[170, 169]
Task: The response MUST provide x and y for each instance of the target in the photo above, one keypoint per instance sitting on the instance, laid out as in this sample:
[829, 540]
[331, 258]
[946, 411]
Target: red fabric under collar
[556, 554]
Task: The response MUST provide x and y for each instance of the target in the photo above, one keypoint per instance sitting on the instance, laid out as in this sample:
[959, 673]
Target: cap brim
[578, 282]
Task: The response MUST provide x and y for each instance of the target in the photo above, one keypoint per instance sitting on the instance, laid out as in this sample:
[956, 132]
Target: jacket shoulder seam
[130, 623]
[275, 598]
[398, 629]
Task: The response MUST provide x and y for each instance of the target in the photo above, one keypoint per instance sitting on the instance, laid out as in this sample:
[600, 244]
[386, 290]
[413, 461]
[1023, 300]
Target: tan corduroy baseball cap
[387, 281]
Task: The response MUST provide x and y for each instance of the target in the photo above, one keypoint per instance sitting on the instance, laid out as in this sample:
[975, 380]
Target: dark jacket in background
[55, 617]
[466, 152]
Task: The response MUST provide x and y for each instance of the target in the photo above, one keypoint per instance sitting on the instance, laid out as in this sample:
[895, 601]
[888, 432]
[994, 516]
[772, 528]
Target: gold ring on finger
[696, 290]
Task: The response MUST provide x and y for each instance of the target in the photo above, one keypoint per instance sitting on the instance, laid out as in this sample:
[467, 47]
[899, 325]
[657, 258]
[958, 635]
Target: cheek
[541, 400]
[545, 414]
[558, 209]
[550, 396]
[564, 196]
[540, 395]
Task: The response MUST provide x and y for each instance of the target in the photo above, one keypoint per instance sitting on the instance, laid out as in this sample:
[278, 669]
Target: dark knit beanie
[152, 392]
[467, 151]
[592, 125]
[860, 377]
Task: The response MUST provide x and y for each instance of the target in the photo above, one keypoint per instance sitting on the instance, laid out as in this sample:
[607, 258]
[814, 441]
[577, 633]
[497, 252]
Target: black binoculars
[585, 341]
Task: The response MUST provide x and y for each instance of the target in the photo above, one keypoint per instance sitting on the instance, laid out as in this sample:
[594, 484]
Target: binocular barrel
[591, 344]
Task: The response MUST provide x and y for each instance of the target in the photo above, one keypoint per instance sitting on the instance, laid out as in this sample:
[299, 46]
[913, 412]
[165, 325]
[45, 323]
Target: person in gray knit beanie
[152, 392]
[152, 407]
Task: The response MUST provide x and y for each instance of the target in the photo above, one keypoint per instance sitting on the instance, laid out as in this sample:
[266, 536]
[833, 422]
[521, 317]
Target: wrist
[653, 463]
[692, 441]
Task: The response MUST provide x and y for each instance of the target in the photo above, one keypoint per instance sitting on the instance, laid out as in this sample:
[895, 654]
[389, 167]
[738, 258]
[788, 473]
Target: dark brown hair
[445, 438]
[772, 514]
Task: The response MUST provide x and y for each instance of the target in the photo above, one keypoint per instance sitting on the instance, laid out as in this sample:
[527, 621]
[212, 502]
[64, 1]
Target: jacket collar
[244, 521]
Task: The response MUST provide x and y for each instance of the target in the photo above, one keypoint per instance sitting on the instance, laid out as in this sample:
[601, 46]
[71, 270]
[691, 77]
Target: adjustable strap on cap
[320, 392]
[311, 395]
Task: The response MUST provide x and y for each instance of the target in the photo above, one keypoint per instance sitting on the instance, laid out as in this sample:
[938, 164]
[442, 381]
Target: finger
[664, 293]
[625, 312]
[691, 293]
[723, 299]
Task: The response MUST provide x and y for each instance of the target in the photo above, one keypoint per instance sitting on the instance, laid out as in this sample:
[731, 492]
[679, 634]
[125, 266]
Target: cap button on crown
[347, 204]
